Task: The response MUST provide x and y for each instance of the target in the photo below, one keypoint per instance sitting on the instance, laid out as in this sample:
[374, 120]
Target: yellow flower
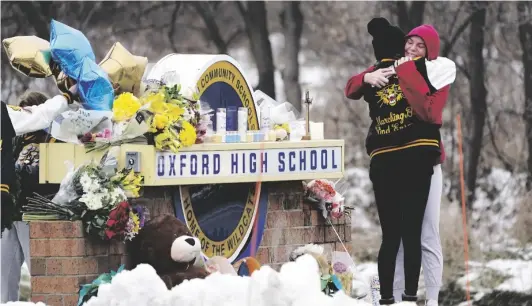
[167, 140]
[174, 112]
[187, 135]
[125, 106]
[157, 102]
[136, 222]
[160, 121]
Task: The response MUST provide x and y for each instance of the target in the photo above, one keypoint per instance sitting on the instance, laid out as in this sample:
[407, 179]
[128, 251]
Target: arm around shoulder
[354, 86]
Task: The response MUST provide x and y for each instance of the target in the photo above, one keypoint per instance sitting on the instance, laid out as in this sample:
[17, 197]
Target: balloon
[124, 68]
[95, 89]
[29, 55]
[72, 51]
[69, 48]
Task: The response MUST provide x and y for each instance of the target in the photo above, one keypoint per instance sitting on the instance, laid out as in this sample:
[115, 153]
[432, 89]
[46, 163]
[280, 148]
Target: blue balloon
[94, 87]
[73, 52]
[69, 47]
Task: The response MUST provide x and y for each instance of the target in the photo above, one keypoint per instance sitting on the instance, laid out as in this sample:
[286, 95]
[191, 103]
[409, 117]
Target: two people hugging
[406, 91]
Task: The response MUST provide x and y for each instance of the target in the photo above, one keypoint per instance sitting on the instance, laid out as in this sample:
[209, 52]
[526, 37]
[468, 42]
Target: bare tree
[525, 37]
[292, 24]
[255, 19]
[478, 95]
[410, 17]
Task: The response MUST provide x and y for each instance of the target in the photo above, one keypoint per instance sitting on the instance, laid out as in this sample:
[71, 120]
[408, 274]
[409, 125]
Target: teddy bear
[168, 246]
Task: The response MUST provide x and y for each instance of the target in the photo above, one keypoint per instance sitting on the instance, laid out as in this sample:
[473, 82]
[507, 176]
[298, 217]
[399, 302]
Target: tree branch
[213, 31]
[171, 30]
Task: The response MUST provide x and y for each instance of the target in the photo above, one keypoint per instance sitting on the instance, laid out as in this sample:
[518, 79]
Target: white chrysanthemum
[93, 201]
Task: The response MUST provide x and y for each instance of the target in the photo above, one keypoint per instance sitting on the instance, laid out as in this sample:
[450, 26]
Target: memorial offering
[69, 58]
[98, 195]
[323, 194]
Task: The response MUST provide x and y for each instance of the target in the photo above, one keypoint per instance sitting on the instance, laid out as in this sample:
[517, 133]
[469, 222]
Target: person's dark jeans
[401, 183]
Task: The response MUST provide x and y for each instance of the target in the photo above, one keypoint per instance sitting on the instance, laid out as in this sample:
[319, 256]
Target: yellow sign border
[226, 72]
[207, 244]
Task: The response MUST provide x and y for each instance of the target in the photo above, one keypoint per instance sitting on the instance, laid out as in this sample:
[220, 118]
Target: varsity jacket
[407, 112]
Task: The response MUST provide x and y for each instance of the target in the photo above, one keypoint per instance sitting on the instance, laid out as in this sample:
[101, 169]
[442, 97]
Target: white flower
[93, 201]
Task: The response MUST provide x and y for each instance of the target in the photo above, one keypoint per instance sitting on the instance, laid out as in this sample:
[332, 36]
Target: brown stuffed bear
[168, 246]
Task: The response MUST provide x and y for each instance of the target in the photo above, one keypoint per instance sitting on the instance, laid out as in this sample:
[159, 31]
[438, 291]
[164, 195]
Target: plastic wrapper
[131, 131]
[29, 55]
[67, 191]
[109, 161]
[67, 126]
[124, 68]
[282, 116]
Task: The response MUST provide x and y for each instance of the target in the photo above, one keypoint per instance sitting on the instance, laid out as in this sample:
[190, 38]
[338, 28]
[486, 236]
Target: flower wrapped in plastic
[172, 118]
[96, 194]
[325, 197]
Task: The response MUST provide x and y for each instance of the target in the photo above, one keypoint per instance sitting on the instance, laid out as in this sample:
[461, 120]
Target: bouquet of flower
[173, 118]
[96, 194]
[323, 194]
[162, 114]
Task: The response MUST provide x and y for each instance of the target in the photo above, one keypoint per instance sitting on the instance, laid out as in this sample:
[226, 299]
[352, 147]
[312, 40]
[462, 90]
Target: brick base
[62, 259]
[291, 223]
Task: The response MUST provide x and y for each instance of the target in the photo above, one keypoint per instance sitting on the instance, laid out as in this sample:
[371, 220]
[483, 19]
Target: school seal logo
[228, 219]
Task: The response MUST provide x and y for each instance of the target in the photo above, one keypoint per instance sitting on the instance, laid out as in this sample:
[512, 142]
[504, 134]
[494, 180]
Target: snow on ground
[499, 274]
[297, 284]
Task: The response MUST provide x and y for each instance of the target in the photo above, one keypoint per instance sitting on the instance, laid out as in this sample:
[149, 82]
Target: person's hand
[402, 60]
[74, 89]
[379, 78]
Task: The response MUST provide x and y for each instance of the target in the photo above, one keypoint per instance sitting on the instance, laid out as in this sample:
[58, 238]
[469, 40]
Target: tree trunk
[292, 22]
[412, 17]
[478, 98]
[255, 18]
[525, 37]
[37, 16]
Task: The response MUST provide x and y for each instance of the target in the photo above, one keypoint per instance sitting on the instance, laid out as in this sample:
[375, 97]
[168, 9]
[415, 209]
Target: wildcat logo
[390, 95]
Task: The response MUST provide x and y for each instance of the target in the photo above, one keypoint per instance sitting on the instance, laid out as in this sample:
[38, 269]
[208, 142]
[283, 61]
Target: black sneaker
[389, 301]
[409, 298]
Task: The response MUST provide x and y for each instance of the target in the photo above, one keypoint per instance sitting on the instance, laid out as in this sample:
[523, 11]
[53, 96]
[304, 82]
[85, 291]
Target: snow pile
[499, 274]
[297, 284]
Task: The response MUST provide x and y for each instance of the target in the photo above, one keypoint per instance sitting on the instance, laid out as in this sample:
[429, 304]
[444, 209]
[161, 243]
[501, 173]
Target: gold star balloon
[124, 68]
[29, 55]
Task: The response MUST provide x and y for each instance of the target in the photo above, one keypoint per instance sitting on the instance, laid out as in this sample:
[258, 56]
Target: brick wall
[291, 223]
[62, 259]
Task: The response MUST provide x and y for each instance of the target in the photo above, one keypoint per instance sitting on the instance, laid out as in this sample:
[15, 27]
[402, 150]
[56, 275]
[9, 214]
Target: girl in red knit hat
[406, 99]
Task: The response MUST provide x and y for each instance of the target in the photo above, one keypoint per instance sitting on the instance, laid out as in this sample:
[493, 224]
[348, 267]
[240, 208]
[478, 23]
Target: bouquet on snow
[163, 116]
[323, 194]
[98, 195]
